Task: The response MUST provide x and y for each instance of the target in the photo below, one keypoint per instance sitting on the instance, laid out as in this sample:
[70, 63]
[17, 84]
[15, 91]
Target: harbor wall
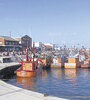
[7, 69]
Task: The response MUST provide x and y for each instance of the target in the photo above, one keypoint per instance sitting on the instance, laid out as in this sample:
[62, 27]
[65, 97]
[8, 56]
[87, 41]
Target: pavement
[10, 92]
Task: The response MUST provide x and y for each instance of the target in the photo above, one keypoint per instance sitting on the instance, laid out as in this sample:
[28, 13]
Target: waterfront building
[9, 44]
[25, 41]
[47, 46]
[38, 46]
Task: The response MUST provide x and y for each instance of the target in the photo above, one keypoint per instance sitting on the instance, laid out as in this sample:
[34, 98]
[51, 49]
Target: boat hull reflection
[70, 73]
[28, 83]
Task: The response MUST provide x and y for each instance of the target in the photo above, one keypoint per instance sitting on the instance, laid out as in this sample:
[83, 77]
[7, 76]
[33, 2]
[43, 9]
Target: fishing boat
[86, 63]
[46, 62]
[72, 63]
[31, 67]
[57, 62]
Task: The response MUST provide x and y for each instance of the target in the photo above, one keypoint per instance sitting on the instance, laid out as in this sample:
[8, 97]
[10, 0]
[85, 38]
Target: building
[47, 46]
[9, 44]
[38, 45]
[25, 42]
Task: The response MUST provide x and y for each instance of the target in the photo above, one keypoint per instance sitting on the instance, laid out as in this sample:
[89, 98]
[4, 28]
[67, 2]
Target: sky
[54, 21]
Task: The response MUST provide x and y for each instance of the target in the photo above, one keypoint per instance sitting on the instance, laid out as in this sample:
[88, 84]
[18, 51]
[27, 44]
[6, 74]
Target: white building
[38, 44]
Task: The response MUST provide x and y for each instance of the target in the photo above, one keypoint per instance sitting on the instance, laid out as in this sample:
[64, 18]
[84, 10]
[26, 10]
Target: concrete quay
[8, 69]
[10, 92]
[10, 64]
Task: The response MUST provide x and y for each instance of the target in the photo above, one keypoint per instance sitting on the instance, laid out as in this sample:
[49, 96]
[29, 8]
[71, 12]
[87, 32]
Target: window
[10, 43]
[16, 43]
[0, 42]
[13, 43]
[6, 43]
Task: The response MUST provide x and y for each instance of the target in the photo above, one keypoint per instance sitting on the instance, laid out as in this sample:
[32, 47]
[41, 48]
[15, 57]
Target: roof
[18, 39]
[48, 46]
[8, 38]
[26, 36]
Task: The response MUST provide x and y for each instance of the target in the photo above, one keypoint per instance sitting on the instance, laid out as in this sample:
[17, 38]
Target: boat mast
[33, 56]
[27, 54]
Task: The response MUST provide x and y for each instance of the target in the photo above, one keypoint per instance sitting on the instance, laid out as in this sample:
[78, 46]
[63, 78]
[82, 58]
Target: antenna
[10, 33]
[30, 31]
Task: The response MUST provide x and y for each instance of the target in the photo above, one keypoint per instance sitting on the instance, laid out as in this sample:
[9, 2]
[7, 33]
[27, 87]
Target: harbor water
[73, 84]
